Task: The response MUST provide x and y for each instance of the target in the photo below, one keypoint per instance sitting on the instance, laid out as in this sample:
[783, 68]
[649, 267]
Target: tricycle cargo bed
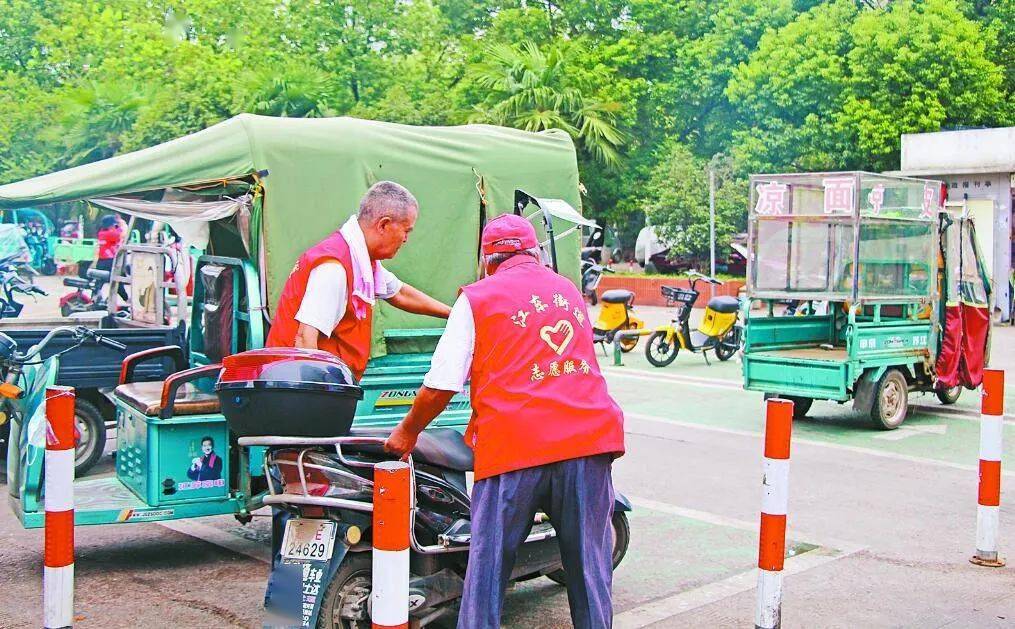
[803, 371]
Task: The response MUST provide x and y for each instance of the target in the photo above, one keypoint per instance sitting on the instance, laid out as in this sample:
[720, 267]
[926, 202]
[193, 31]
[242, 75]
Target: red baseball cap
[508, 233]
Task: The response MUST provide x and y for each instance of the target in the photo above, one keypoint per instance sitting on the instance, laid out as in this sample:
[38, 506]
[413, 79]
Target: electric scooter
[326, 485]
[718, 330]
[592, 274]
[12, 284]
[88, 294]
[617, 315]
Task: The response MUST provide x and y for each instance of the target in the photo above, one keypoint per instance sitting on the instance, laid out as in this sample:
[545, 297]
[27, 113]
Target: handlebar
[81, 332]
[696, 276]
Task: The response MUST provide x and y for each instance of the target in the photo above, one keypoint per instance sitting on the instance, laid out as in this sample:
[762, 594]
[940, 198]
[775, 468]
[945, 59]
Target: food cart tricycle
[902, 291]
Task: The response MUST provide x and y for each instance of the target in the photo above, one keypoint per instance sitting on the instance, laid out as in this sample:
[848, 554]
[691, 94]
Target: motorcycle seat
[146, 398]
[617, 296]
[441, 447]
[76, 282]
[724, 304]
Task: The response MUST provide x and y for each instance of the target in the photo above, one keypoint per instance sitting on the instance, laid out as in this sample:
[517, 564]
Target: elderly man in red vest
[544, 430]
[328, 300]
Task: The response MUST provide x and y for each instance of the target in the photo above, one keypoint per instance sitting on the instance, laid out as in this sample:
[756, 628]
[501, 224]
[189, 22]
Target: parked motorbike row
[720, 330]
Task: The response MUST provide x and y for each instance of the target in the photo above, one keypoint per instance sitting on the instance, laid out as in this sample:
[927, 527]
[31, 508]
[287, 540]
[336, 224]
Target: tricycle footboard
[823, 380]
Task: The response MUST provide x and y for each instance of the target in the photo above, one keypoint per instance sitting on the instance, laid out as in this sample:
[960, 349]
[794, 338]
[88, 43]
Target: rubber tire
[801, 405]
[892, 377]
[724, 351]
[353, 565]
[660, 336]
[88, 454]
[49, 267]
[592, 297]
[948, 396]
[622, 530]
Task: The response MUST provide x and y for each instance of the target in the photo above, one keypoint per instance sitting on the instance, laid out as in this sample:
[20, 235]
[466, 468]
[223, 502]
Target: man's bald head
[387, 214]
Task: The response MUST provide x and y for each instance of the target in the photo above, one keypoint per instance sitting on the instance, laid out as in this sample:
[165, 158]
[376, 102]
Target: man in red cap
[544, 430]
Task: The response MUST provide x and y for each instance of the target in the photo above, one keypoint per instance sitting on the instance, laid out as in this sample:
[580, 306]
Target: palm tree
[294, 91]
[529, 89]
[95, 117]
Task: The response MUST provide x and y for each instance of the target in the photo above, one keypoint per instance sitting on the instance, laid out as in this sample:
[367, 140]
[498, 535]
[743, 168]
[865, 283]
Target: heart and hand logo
[557, 336]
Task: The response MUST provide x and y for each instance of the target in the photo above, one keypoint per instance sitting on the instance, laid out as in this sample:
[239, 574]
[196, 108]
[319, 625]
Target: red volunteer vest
[538, 396]
[350, 340]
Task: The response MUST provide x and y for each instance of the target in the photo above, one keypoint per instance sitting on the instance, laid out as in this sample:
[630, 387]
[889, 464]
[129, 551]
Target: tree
[675, 200]
[837, 87]
[530, 89]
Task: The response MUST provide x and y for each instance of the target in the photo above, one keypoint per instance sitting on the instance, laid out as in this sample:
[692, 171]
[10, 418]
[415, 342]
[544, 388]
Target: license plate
[308, 539]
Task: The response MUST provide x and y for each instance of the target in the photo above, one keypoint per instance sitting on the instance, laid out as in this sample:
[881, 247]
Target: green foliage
[530, 89]
[676, 201]
[649, 89]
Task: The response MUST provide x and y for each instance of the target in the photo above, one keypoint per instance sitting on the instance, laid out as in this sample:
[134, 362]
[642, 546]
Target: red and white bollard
[58, 573]
[774, 501]
[989, 503]
[389, 596]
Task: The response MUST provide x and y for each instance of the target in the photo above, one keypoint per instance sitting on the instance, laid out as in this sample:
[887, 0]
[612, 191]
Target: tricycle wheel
[949, 395]
[659, 351]
[621, 540]
[801, 405]
[92, 426]
[345, 604]
[891, 400]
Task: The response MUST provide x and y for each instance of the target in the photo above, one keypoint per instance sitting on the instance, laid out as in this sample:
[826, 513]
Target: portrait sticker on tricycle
[893, 286]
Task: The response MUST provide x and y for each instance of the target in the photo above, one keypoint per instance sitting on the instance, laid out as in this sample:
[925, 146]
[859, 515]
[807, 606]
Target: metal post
[989, 498]
[711, 221]
[774, 502]
[389, 595]
[58, 559]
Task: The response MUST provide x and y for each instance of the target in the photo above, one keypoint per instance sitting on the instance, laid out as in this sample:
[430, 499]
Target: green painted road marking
[722, 404]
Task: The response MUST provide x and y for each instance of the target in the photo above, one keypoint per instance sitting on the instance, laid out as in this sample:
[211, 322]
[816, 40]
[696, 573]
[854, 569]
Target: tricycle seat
[146, 398]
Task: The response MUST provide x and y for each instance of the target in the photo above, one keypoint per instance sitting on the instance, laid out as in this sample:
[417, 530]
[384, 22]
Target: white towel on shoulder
[366, 273]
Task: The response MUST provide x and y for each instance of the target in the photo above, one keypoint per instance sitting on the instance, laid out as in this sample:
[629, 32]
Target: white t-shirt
[452, 360]
[324, 301]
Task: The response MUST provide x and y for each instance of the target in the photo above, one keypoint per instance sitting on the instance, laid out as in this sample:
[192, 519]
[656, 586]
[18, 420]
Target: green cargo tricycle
[253, 193]
[896, 294]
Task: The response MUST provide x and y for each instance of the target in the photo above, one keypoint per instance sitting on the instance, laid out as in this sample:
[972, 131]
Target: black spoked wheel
[345, 601]
[728, 345]
[659, 351]
[621, 540]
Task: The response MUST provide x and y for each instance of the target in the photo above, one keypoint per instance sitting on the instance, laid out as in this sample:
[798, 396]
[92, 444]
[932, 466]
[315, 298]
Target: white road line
[743, 525]
[212, 535]
[811, 442]
[716, 383]
[905, 432]
[662, 609]
[635, 375]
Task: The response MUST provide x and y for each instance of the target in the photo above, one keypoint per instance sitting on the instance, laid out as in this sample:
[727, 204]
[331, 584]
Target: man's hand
[400, 442]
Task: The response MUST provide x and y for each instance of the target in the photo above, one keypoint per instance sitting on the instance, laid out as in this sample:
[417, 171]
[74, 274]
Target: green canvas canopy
[312, 173]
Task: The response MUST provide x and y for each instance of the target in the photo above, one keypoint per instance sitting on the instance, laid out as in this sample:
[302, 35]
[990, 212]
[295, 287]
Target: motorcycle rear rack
[280, 498]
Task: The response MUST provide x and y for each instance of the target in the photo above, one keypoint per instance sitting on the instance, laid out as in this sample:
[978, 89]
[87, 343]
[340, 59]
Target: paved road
[881, 525]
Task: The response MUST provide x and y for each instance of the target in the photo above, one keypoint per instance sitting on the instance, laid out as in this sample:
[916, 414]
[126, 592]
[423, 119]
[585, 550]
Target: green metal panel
[767, 332]
[155, 455]
[805, 378]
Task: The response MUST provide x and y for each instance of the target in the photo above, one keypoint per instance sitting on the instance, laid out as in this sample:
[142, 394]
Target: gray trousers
[577, 494]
